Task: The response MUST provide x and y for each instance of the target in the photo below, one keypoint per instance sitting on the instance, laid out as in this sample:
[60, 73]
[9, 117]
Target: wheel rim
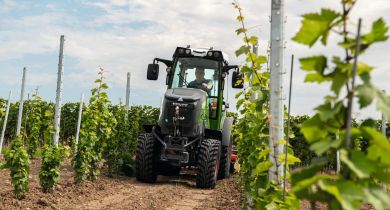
[216, 168]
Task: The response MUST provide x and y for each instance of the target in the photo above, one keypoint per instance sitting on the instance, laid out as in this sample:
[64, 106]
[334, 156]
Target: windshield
[197, 73]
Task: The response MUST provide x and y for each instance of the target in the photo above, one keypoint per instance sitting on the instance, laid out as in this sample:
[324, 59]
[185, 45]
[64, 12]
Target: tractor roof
[209, 53]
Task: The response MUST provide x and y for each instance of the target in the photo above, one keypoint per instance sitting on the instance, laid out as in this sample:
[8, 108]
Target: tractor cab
[203, 69]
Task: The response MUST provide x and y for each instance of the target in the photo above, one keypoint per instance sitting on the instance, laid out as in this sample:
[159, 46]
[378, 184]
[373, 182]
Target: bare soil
[121, 192]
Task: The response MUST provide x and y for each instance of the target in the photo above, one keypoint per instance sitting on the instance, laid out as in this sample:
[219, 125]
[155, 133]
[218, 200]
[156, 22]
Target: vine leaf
[382, 103]
[290, 159]
[378, 33]
[364, 94]
[104, 86]
[358, 163]
[243, 50]
[377, 197]
[313, 129]
[301, 184]
[380, 148]
[251, 40]
[327, 111]
[261, 60]
[347, 193]
[339, 80]
[320, 147]
[241, 30]
[367, 93]
[240, 18]
[314, 77]
[261, 168]
[316, 26]
[314, 63]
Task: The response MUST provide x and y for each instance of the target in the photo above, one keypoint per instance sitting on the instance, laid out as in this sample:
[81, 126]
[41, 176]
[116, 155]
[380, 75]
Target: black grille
[185, 112]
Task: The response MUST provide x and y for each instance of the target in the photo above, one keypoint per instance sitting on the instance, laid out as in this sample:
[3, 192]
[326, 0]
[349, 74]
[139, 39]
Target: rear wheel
[145, 159]
[225, 162]
[208, 163]
[231, 167]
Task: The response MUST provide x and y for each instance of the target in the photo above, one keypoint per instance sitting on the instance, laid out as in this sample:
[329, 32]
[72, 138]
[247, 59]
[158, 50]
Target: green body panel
[204, 113]
[216, 124]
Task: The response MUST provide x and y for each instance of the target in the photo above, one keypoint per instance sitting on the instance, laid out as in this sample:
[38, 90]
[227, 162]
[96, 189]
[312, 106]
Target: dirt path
[168, 193]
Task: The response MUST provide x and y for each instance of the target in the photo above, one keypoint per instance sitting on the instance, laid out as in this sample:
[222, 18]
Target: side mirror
[237, 80]
[227, 105]
[152, 72]
[227, 68]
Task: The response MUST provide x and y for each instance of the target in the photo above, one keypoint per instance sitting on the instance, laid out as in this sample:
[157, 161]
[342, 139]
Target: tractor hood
[185, 94]
[189, 101]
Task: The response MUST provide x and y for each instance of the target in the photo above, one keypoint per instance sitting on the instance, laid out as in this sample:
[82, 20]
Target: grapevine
[326, 132]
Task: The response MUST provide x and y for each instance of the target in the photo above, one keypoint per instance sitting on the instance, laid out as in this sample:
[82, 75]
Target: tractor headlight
[188, 51]
[181, 51]
[209, 53]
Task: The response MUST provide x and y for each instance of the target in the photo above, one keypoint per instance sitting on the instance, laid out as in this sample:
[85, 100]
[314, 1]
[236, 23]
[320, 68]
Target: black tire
[232, 168]
[208, 163]
[225, 162]
[145, 160]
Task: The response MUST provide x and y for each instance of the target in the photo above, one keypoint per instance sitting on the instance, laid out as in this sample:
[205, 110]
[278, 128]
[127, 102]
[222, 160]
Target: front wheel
[208, 163]
[145, 160]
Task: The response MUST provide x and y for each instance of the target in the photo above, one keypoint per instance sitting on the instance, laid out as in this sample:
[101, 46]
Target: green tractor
[193, 130]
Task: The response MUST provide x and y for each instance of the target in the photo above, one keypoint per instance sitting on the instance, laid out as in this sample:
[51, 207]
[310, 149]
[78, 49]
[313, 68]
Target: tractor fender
[148, 128]
[227, 130]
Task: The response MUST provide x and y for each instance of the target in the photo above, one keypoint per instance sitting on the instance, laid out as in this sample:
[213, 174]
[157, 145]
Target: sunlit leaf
[376, 196]
[314, 63]
[241, 30]
[243, 50]
[315, 77]
[358, 163]
[313, 129]
[377, 33]
[316, 26]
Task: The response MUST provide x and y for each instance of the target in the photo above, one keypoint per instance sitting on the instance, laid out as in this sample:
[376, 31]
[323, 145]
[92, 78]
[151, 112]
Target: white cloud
[6, 5]
[130, 33]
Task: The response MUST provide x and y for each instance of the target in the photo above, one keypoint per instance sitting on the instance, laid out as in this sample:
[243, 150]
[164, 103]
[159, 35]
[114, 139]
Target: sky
[125, 35]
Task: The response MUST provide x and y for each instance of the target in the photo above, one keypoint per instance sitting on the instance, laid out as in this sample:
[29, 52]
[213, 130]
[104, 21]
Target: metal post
[383, 126]
[288, 129]
[276, 89]
[79, 118]
[128, 91]
[57, 114]
[256, 48]
[383, 129]
[19, 125]
[338, 166]
[338, 163]
[26, 118]
[5, 121]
